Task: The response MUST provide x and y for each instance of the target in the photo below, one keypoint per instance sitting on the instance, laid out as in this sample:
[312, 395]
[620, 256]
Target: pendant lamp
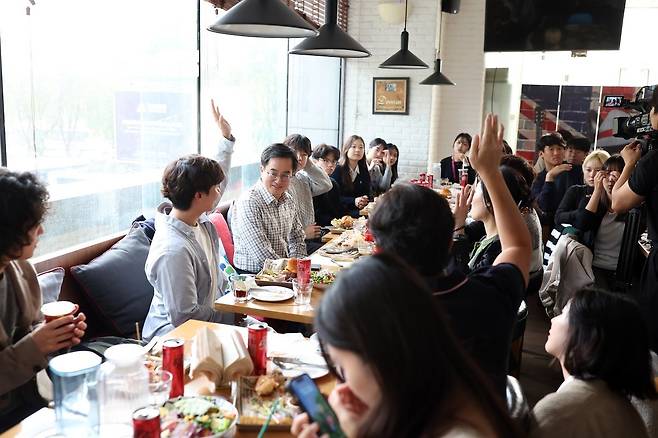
[331, 39]
[263, 18]
[437, 78]
[404, 59]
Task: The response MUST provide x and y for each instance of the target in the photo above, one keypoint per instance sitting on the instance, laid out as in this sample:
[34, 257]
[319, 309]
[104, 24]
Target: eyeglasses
[277, 175]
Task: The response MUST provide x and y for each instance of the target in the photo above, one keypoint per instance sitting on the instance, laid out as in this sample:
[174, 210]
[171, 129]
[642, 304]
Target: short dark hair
[380, 310]
[466, 136]
[278, 150]
[507, 149]
[615, 162]
[298, 143]
[187, 176]
[324, 150]
[23, 203]
[579, 143]
[516, 182]
[377, 142]
[416, 223]
[608, 339]
[654, 98]
[566, 135]
[550, 139]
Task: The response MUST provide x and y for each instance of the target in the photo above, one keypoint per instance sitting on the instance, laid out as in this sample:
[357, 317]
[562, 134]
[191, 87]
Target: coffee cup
[58, 309]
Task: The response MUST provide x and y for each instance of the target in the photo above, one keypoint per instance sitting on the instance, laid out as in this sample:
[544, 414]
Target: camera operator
[639, 183]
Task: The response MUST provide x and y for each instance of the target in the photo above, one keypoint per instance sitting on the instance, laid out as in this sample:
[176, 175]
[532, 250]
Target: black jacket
[550, 194]
[360, 187]
[447, 171]
[572, 211]
[327, 206]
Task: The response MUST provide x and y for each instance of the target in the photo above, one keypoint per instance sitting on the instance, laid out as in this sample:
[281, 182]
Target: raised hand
[222, 123]
[487, 149]
[555, 171]
[463, 205]
[631, 153]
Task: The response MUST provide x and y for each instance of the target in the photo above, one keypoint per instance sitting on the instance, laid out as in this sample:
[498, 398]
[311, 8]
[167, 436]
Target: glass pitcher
[124, 387]
[74, 377]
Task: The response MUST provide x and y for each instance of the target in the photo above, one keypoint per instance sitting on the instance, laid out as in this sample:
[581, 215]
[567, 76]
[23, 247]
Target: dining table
[41, 422]
[285, 310]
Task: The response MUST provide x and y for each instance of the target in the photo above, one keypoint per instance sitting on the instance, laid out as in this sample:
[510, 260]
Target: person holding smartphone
[402, 372]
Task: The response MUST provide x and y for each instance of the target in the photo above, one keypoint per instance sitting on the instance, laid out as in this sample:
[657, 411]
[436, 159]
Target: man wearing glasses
[265, 224]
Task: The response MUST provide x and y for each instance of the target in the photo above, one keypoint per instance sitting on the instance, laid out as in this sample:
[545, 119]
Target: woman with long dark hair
[452, 165]
[352, 175]
[402, 372]
[588, 208]
[602, 345]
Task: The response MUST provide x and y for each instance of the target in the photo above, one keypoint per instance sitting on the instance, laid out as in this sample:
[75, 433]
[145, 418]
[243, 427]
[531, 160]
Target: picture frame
[390, 96]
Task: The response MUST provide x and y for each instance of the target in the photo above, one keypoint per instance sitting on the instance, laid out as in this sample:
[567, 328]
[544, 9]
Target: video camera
[637, 126]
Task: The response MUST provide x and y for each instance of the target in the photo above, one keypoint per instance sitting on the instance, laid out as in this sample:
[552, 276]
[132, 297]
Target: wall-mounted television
[553, 25]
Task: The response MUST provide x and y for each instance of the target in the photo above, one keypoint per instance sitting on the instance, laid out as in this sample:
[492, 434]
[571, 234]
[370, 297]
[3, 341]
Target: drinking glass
[302, 292]
[159, 386]
[239, 288]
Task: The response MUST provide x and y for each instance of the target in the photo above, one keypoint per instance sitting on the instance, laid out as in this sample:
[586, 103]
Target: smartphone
[314, 404]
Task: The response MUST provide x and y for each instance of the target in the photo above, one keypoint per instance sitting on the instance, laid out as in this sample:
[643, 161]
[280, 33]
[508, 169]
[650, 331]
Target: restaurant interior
[328, 218]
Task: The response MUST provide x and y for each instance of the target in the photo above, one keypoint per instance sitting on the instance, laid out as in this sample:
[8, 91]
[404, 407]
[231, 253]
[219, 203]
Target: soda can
[430, 181]
[304, 270]
[172, 361]
[146, 422]
[257, 342]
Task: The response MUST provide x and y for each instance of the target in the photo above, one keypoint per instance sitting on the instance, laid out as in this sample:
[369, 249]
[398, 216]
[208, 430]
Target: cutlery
[290, 362]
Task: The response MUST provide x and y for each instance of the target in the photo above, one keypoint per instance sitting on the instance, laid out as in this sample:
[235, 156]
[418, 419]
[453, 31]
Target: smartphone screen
[314, 404]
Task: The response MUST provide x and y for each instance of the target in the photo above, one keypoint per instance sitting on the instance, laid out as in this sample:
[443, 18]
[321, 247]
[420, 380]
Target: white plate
[313, 372]
[271, 293]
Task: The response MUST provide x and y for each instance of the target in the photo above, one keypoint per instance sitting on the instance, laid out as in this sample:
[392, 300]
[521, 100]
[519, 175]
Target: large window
[98, 98]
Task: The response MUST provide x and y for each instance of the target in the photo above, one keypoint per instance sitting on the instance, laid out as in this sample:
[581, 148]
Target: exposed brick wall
[410, 133]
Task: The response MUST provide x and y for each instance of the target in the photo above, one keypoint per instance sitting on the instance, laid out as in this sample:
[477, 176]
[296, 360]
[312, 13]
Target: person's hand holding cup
[61, 328]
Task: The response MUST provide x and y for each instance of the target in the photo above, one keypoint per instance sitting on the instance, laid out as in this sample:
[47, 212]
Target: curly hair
[188, 175]
[23, 203]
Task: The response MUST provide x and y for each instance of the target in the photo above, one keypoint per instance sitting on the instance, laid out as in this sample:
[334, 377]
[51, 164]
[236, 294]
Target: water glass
[239, 288]
[159, 386]
[302, 292]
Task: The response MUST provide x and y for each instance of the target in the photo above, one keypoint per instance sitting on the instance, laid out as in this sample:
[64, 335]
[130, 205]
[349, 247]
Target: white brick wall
[459, 108]
[410, 133]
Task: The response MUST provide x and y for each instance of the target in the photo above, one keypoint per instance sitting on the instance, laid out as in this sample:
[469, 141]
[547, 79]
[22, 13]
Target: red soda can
[430, 181]
[146, 422]
[422, 177]
[367, 235]
[172, 361]
[464, 177]
[304, 270]
[257, 342]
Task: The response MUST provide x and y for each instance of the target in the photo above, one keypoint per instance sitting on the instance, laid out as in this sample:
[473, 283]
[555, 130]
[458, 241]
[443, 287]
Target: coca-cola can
[258, 346]
[430, 181]
[172, 361]
[304, 270]
[146, 422]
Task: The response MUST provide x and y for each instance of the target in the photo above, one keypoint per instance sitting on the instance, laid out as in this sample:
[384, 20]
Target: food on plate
[323, 277]
[196, 417]
[445, 192]
[266, 384]
[254, 408]
[291, 266]
[346, 222]
[278, 271]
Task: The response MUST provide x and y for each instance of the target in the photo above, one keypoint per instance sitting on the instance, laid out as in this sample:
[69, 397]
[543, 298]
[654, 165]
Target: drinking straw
[261, 434]
[138, 335]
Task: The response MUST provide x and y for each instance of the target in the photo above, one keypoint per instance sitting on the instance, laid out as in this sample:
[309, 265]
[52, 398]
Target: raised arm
[486, 152]
[225, 146]
[623, 197]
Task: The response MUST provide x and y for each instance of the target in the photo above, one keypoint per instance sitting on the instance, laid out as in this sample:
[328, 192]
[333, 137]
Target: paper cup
[58, 309]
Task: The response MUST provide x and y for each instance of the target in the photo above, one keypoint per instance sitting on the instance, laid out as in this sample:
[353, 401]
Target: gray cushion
[116, 284]
[50, 283]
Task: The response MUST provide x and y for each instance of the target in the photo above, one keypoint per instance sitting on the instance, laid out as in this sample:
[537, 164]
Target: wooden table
[30, 426]
[283, 310]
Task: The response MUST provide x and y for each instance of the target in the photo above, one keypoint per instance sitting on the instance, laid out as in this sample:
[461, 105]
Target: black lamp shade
[437, 78]
[263, 18]
[404, 59]
[331, 41]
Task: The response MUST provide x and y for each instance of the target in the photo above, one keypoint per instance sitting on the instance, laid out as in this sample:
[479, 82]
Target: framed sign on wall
[390, 96]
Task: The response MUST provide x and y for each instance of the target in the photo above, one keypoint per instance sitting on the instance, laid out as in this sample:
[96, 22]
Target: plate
[171, 416]
[292, 370]
[271, 293]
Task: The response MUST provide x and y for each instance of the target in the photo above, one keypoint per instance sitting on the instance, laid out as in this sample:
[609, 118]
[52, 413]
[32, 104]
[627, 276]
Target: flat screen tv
[553, 25]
